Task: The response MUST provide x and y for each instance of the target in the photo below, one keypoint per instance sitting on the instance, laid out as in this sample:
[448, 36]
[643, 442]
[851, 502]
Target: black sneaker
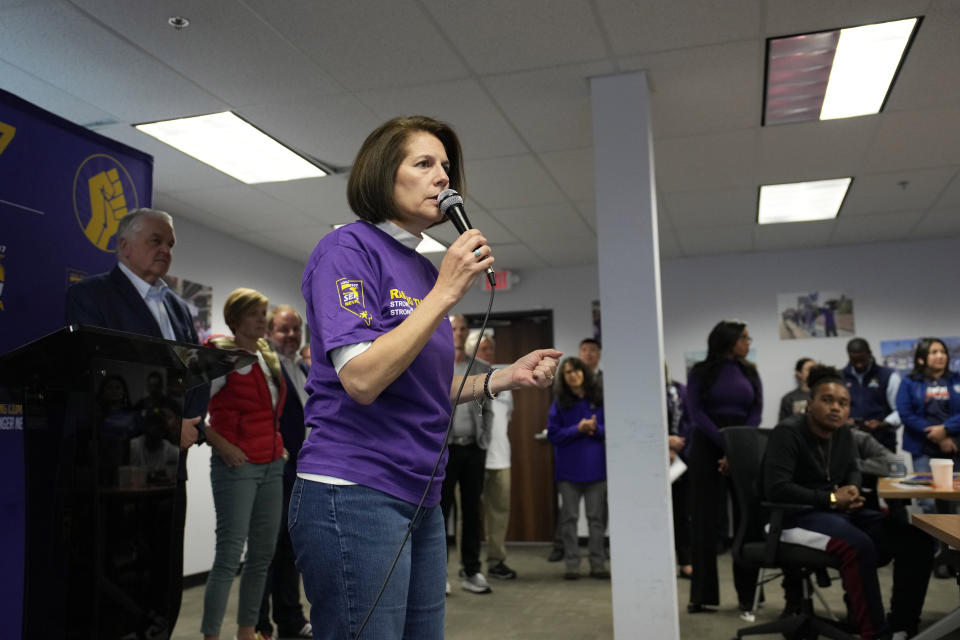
[556, 555]
[502, 572]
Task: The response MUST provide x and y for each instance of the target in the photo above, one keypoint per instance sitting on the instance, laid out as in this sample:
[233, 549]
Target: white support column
[641, 519]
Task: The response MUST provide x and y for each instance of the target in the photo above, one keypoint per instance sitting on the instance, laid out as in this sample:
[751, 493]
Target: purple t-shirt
[359, 284]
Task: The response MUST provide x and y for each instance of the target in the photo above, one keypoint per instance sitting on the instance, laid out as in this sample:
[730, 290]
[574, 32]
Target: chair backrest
[744, 448]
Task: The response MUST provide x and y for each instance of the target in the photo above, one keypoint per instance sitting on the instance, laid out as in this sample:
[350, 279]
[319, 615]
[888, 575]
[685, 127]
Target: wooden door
[531, 466]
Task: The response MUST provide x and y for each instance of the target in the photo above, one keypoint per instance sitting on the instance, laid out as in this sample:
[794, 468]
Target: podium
[101, 413]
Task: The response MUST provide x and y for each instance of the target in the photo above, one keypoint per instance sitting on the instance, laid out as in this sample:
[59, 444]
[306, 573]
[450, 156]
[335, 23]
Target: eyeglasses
[747, 338]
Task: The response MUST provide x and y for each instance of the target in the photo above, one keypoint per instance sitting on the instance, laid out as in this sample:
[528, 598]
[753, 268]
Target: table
[895, 489]
[945, 527]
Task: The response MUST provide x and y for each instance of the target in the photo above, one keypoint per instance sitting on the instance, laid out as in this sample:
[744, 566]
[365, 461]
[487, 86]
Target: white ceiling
[512, 77]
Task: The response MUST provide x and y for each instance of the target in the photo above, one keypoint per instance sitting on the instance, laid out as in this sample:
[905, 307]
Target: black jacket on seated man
[811, 460]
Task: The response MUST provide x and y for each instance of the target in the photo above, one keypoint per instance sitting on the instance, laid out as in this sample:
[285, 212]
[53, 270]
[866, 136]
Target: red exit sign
[503, 281]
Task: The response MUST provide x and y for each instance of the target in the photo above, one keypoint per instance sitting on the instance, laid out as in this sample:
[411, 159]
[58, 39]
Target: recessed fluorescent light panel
[232, 145]
[801, 201]
[834, 74]
[427, 243]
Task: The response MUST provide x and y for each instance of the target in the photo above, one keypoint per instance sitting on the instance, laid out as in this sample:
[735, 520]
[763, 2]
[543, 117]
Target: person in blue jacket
[929, 406]
[575, 426]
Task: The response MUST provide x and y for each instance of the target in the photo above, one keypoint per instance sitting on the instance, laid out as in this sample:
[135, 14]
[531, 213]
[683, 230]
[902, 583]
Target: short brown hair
[282, 308]
[370, 186]
[239, 302]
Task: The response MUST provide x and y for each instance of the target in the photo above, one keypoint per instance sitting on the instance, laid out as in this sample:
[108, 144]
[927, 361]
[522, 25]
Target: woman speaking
[381, 387]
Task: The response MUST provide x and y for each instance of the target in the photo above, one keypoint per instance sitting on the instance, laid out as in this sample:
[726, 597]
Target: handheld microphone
[451, 206]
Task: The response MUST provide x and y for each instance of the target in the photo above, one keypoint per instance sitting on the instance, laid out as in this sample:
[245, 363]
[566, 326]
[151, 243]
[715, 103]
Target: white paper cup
[942, 470]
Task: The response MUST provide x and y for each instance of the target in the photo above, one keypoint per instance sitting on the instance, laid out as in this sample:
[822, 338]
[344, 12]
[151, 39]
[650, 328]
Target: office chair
[754, 548]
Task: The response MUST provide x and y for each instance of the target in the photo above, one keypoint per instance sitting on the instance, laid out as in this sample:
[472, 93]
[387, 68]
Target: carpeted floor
[540, 605]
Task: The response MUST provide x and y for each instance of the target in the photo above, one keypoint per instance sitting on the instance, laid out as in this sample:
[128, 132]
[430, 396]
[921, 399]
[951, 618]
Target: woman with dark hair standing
[928, 402]
[723, 390]
[380, 388]
[575, 427]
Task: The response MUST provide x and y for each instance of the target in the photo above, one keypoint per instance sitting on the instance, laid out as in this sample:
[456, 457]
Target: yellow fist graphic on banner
[107, 206]
[103, 192]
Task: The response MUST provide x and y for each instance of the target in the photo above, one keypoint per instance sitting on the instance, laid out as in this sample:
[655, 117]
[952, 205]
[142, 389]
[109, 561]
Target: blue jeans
[248, 502]
[345, 538]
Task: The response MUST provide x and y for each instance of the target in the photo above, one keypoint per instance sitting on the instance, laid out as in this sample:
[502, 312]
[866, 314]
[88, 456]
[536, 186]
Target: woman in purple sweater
[722, 391]
[575, 427]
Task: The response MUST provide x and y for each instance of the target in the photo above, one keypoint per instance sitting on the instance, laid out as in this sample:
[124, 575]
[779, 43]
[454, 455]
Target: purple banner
[63, 190]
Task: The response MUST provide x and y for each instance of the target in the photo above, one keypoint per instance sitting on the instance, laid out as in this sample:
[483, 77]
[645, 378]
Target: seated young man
[810, 459]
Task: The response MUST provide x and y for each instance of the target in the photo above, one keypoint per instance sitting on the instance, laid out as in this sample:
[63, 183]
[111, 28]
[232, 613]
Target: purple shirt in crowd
[731, 400]
[577, 457]
[360, 283]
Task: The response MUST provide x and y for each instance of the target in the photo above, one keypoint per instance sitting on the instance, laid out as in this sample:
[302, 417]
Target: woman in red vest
[246, 468]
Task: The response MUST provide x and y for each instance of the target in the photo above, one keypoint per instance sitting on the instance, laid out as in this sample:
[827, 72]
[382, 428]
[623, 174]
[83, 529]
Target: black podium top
[64, 354]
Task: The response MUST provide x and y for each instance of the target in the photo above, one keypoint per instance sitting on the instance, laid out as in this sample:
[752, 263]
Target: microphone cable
[418, 512]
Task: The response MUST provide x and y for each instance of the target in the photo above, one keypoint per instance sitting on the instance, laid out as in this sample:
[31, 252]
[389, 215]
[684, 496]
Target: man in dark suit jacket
[132, 297]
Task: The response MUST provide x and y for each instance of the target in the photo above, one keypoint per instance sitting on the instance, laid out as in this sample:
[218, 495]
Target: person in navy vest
[133, 297]
[285, 333]
[873, 394]
[381, 390]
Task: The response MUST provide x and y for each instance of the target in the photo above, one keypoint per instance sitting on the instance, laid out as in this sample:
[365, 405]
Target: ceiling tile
[244, 60]
[697, 241]
[915, 139]
[814, 150]
[329, 128]
[541, 225]
[37, 91]
[792, 235]
[951, 195]
[636, 26]
[302, 239]
[499, 183]
[180, 209]
[550, 108]
[244, 205]
[366, 44]
[669, 248]
[712, 207]
[882, 227]
[482, 130]
[721, 160]
[900, 191]
[538, 33]
[705, 89]
[787, 17]
[573, 171]
[588, 211]
[938, 223]
[321, 199]
[63, 47]
[932, 59]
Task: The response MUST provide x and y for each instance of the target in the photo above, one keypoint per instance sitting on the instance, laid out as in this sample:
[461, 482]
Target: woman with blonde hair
[246, 468]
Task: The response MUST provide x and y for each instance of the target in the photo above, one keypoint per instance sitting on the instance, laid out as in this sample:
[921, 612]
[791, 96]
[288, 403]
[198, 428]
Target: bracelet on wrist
[486, 385]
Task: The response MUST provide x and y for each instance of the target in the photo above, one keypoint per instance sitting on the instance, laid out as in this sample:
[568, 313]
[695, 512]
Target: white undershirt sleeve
[342, 355]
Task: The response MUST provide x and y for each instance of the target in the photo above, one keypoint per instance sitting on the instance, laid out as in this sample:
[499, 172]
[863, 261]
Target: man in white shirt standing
[496, 482]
